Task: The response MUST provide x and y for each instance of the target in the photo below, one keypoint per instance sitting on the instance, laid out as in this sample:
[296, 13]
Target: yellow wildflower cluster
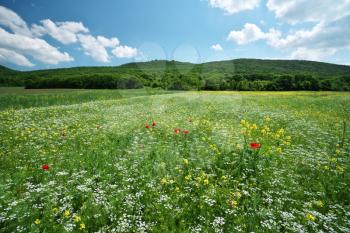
[310, 217]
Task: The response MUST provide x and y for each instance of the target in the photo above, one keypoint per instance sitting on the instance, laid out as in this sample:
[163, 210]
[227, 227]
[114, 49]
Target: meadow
[98, 161]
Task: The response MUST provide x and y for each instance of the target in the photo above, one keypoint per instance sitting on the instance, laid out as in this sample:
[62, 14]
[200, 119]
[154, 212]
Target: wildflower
[255, 145]
[163, 181]
[147, 126]
[76, 218]
[188, 177]
[45, 167]
[186, 162]
[55, 210]
[67, 213]
[186, 131]
[154, 124]
[177, 189]
[339, 169]
[243, 122]
[310, 217]
[238, 195]
[279, 150]
[253, 127]
[232, 203]
[82, 226]
[177, 131]
[206, 181]
[37, 221]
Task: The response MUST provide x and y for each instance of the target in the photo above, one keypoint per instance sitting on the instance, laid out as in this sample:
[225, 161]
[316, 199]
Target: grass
[18, 97]
[108, 169]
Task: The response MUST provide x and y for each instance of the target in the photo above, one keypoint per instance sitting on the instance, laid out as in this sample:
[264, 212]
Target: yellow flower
[82, 226]
[339, 169]
[163, 181]
[76, 218]
[254, 127]
[37, 221]
[310, 217]
[55, 210]
[243, 122]
[186, 162]
[279, 150]
[67, 213]
[232, 203]
[177, 189]
[237, 194]
[188, 177]
[206, 181]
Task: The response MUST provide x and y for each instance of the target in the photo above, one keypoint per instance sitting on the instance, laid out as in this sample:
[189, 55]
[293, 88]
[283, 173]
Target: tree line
[194, 81]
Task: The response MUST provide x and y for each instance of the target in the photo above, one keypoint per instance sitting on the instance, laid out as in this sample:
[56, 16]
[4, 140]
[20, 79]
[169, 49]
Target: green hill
[182, 75]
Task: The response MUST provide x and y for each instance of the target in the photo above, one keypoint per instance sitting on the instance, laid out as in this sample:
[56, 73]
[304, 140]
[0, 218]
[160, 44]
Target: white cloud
[217, 47]
[321, 41]
[124, 52]
[64, 32]
[250, 33]
[309, 10]
[21, 42]
[14, 22]
[92, 47]
[234, 6]
[13, 57]
[37, 48]
[105, 42]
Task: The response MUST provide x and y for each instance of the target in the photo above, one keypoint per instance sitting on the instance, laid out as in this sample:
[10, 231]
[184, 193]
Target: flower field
[181, 162]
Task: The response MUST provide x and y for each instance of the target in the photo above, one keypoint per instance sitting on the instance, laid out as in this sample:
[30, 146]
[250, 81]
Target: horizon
[37, 35]
[132, 62]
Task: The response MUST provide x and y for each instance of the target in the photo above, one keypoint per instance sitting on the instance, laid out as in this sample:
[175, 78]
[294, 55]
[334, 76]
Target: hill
[184, 75]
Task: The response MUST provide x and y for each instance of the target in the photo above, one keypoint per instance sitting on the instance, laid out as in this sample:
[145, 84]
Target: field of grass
[18, 97]
[181, 162]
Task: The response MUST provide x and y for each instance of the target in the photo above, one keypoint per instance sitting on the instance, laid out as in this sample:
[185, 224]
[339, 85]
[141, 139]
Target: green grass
[109, 173]
[18, 97]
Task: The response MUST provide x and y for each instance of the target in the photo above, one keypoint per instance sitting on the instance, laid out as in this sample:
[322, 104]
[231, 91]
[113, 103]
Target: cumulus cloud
[250, 33]
[15, 23]
[309, 10]
[92, 47]
[124, 52]
[321, 41]
[234, 6]
[20, 43]
[216, 47]
[64, 32]
[37, 48]
[13, 57]
[105, 42]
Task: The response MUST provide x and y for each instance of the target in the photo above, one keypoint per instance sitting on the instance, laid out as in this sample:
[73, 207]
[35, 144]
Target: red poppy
[177, 131]
[45, 167]
[186, 131]
[154, 124]
[147, 126]
[255, 145]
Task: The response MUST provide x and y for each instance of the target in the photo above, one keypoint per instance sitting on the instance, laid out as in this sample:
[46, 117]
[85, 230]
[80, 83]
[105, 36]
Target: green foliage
[239, 74]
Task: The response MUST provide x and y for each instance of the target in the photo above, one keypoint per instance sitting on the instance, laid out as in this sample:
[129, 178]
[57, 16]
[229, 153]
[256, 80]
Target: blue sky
[51, 34]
